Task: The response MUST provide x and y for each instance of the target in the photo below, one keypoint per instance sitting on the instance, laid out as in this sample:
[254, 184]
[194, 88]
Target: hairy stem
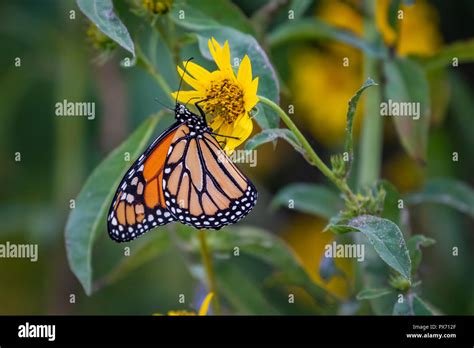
[312, 155]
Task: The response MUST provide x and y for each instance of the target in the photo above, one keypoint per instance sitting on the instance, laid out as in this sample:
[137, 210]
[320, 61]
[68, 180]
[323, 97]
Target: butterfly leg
[201, 111]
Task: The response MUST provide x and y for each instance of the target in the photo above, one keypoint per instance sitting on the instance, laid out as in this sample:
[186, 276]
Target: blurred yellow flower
[227, 98]
[157, 6]
[202, 310]
[418, 30]
[98, 39]
[322, 89]
[307, 240]
[324, 79]
[403, 172]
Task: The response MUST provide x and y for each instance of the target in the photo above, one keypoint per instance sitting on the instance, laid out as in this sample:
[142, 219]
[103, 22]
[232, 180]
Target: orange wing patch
[139, 203]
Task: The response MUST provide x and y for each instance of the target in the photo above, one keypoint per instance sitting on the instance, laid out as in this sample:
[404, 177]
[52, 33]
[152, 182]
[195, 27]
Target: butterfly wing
[139, 203]
[202, 187]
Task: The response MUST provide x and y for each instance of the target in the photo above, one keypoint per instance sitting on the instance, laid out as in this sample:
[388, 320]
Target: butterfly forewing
[139, 203]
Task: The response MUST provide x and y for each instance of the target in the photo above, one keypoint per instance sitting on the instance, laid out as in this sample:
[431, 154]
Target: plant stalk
[207, 262]
[312, 155]
[371, 136]
[370, 152]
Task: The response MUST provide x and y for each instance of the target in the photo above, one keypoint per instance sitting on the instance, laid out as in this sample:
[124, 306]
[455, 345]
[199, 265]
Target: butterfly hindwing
[202, 187]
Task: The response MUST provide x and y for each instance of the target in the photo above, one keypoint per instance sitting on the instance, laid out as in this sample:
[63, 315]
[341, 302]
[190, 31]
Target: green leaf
[462, 50]
[203, 14]
[387, 240]
[420, 307]
[309, 198]
[87, 219]
[369, 294]
[243, 293]
[350, 117]
[101, 13]
[391, 211]
[260, 245]
[142, 251]
[269, 135]
[314, 29]
[265, 117]
[445, 191]
[414, 245]
[299, 7]
[407, 83]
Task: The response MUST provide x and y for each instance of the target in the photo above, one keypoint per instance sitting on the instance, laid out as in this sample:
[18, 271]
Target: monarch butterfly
[184, 175]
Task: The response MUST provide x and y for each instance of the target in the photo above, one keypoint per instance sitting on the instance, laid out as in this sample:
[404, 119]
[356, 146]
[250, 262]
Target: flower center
[225, 99]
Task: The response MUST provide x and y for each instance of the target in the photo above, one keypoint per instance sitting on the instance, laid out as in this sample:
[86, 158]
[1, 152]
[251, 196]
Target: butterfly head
[184, 115]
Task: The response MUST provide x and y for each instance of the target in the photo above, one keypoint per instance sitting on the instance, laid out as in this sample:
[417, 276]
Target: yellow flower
[322, 87]
[306, 239]
[202, 310]
[320, 82]
[403, 172]
[226, 98]
[418, 32]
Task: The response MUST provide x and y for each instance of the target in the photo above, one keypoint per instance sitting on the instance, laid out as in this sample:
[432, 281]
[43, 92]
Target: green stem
[143, 60]
[207, 262]
[312, 155]
[369, 157]
[371, 136]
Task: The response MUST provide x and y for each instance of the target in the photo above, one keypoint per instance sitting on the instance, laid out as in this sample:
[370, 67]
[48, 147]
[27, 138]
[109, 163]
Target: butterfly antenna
[181, 80]
[166, 107]
[190, 100]
[224, 136]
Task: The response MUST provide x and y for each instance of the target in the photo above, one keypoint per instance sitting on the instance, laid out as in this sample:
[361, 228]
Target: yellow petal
[245, 72]
[205, 304]
[212, 44]
[190, 80]
[181, 313]
[216, 124]
[187, 96]
[242, 128]
[225, 130]
[250, 97]
[221, 56]
[198, 72]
